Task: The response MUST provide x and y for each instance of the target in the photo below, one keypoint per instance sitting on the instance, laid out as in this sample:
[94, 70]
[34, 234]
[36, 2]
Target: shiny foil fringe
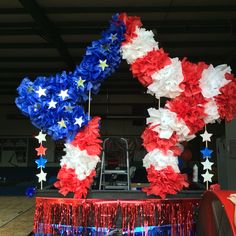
[179, 213]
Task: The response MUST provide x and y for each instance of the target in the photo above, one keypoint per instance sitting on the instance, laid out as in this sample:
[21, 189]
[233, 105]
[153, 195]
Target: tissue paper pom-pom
[190, 110]
[213, 79]
[68, 182]
[165, 181]
[167, 80]
[131, 23]
[140, 46]
[192, 73]
[165, 122]
[161, 160]
[88, 138]
[79, 160]
[151, 141]
[211, 111]
[144, 67]
[226, 100]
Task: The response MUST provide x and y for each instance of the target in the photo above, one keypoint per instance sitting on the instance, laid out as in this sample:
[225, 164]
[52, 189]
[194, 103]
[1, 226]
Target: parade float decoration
[197, 94]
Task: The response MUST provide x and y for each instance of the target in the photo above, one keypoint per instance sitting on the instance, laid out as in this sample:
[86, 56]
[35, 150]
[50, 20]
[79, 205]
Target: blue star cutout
[41, 162]
[206, 152]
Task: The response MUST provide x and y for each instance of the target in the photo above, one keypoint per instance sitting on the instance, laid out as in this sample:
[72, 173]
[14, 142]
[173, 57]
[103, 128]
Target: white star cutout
[41, 92]
[79, 121]
[207, 176]
[63, 94]
[206, 136]
[207, 164]
[41, 176]
[41, 137]
[52, 104]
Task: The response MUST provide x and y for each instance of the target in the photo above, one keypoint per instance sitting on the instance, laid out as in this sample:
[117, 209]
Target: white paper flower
[140, 46]
[213, 79]
[160, 160]
[165, 122]
[80, 161]
[166, 81]
[211, 110]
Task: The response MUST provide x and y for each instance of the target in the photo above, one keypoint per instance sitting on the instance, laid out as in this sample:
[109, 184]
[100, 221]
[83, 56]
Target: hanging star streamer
[207, 177]
[41, 162]
[41, 176]
[41, 137]
[206, 137]
[41, 150]
[207, 164]
[206, 152]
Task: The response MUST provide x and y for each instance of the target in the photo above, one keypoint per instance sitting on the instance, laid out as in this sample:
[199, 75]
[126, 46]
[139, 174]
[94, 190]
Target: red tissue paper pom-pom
[131, 22]
[151, 141]
[88, 138]
[165, 181]
[190, 109]
[226, 101]
[192, 73]
[143, 68]
[69, 182]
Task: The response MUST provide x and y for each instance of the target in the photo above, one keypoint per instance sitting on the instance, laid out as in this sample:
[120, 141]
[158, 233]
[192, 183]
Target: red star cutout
[41, 150]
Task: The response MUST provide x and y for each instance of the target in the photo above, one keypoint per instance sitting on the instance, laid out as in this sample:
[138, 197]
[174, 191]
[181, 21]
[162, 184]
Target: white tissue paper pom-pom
[166, 81]
[160, 160]
[140, 46]
[211, 110]
[165, 122]
[80, 161]
[213, 79]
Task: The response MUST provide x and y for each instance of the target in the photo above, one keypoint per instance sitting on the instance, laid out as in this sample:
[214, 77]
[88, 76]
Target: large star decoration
[41, 176]
[207, 164]
[41, 137]
[79, 121]
[206, 136]
[63, 94]
[41, 150]
[41, 92]
[206, 152]
[41, 162]
[103, 64]
[61, 123]
[207, 176]
[80, 82]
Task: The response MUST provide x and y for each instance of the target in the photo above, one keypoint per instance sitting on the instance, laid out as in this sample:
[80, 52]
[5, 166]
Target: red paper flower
[151, 141]
[131, 22]
[215, 187]
[190, 109]
[192, 73]
[165, 181]
[69, 182]
[143, 68]
[88, 138]
[226, 101]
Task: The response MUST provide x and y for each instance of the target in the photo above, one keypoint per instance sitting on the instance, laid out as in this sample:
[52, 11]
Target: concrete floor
[16, 216]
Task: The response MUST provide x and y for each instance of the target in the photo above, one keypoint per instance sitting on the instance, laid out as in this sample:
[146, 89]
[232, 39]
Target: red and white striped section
[79, 163]
[200, 94]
